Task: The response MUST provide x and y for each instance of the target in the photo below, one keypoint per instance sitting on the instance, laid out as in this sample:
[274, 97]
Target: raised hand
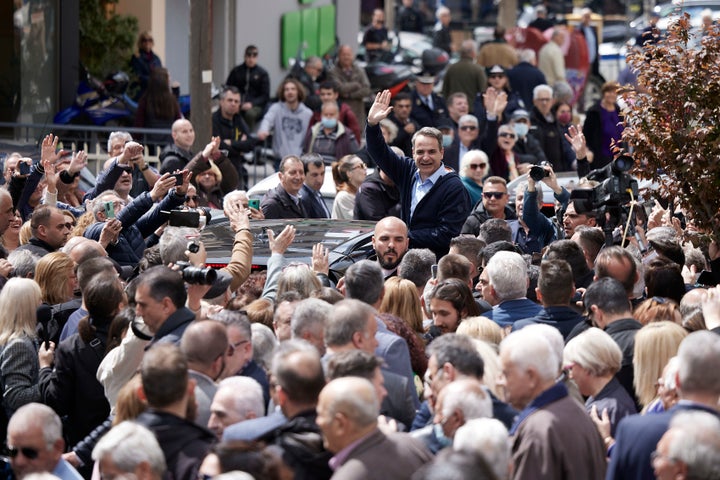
[78, 162]
[380, 108]
[48, 148]
[577, 141]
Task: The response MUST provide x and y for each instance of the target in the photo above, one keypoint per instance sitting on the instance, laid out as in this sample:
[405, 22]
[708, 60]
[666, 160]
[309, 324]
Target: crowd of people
[480, 339]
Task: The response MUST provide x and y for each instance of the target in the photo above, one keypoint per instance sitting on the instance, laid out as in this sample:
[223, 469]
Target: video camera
[613, 189]
[609, 199]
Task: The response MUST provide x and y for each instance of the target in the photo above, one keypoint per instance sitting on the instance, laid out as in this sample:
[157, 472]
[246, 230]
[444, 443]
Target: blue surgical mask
[329, 122]
[442, 439]
[521, 129]
[447, 140]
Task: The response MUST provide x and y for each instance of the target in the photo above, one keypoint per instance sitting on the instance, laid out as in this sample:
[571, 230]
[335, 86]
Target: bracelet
[145, 168]
[243, 228]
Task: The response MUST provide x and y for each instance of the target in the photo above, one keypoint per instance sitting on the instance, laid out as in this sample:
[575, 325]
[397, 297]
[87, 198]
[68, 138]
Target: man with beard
[390, 241]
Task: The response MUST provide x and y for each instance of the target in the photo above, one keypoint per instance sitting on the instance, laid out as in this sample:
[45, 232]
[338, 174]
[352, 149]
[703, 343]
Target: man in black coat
[283, 201]
[234, 133]
[253, 82]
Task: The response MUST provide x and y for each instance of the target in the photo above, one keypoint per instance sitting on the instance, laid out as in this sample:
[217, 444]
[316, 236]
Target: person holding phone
[133, 223]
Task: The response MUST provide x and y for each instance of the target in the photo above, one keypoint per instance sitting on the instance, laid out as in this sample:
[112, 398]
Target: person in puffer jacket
[136, 221]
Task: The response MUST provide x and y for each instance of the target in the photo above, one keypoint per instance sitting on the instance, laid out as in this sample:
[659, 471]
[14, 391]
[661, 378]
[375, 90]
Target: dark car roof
[348, 241]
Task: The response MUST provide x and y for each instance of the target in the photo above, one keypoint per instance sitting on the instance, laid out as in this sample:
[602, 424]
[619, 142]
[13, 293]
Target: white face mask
[521, 129]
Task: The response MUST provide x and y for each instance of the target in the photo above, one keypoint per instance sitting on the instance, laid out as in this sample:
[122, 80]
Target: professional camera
[613, 189]
[609, 200]
[196, 275]
[537, 172]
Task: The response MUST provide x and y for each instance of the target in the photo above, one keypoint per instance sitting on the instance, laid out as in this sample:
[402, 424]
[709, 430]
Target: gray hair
[527, 350]
[699, 356]
[541, 88]
[173, 243]
[488, 438]
[37, 415]
[264, 343]
[98, 204]
[23, 262]
[347, 317]
[415, 265]
[311, 315]
[554, 338]
[115, 135]
[471, 155]
[595, 351]
[235, 195]
[508, 275]
[468, 118]
[468, 396]
[128, 445]
[234, 318]
[247, 395]
[364, 281]
[695, 441]
[527, 55]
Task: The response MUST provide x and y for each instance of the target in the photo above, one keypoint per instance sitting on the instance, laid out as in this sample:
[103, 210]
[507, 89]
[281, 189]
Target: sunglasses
[495, 195]
[475, 166]
[191, 198]
[29, 453]
[468, 127]
[506, 135]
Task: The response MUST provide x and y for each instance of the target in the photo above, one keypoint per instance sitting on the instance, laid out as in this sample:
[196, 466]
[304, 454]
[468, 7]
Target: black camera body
[196, 275]
[537, 172]
[614, 187]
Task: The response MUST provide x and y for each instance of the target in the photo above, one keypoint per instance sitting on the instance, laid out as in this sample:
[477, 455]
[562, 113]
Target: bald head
[82, 249]
[390, 241]
[183, 134]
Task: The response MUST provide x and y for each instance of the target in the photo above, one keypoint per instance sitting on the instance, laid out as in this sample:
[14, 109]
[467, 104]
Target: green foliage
[673, 120]
[105, 44]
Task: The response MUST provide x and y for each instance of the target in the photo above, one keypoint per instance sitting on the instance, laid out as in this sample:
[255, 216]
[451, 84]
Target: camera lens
[537, 173]
[193, 247]
[199, 276]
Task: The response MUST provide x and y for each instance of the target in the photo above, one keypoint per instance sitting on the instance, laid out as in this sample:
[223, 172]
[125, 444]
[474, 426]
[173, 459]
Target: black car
[348, 241]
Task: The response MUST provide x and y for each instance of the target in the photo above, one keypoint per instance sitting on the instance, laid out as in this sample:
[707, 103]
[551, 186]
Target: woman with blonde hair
[10, 239]
[348, 174]
[655, 344]
[481, 328]
[19, 362]
[401, 299]
[55, 273]
[592, 359]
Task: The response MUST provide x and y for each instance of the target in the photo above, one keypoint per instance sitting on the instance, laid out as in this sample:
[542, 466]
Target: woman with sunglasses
[473, 169]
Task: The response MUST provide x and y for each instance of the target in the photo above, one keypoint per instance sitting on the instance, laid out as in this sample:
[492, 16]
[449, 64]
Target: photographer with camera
[537, 230]
[138, 219]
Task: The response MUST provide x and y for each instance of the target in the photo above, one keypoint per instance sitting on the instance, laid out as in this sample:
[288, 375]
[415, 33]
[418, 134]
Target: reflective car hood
[348, 241]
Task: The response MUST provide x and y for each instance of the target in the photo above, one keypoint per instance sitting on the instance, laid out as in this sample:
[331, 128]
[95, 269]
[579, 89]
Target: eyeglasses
[234, 346]
[507, 135]
[475, 166]
[28, 452]
[495, 195]
[251, 54]
[358, 167]
[468, 127]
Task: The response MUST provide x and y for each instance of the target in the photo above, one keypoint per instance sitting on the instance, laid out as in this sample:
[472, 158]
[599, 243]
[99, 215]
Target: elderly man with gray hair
[347, 414]
[553, 437]
[35, 443]
[488, 438]
[129, 450]
[508, 281]
[690, 449]
[237, 399]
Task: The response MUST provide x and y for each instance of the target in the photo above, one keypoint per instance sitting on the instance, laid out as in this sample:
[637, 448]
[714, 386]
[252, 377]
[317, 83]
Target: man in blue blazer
[698, 382]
